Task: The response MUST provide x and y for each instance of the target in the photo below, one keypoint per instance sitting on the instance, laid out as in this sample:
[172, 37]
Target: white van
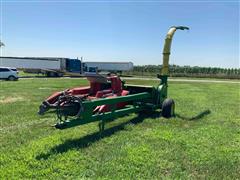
[8, 73]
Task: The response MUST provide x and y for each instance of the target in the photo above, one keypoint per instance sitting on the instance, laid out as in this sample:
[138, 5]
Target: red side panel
[53, 98]
[75, 91]
[80, 90]
[95, 87]
[123, 104]
[106, 108]
[116, 84]
[100, 94]
[124, 93]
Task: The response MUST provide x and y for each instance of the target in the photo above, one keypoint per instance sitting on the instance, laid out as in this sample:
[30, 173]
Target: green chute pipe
[167, 48]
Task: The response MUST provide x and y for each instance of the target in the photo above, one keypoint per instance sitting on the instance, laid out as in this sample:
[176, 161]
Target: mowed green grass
[203, 141]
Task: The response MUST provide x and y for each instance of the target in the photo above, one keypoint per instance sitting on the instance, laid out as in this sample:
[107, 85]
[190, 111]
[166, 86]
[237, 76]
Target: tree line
[187, 71]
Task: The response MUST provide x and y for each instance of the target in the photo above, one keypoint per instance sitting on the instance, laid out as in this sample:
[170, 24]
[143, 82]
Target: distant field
[203, 141]
[32, 75]
[217, 73]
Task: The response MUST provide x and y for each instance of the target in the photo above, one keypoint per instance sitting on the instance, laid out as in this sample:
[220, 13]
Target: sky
[123, 31]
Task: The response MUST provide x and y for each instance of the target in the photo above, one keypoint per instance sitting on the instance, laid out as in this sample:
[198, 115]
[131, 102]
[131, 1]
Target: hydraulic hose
[167, 48]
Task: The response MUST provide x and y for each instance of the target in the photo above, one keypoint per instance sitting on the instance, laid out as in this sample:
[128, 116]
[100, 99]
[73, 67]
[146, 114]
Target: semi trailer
[57, 67]
[108, 66]
[49, 66]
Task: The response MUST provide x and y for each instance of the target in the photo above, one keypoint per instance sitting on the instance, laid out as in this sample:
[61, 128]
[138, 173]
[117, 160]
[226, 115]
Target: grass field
[203, 141]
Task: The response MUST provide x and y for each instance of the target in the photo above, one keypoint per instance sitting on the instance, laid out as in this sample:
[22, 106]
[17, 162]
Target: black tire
[53, 74]
[168, 108]
[11, 78]
[47, 74]
[59, 74]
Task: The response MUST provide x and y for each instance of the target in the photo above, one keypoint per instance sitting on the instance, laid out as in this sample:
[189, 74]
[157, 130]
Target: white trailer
[110, 66]
[48, 66]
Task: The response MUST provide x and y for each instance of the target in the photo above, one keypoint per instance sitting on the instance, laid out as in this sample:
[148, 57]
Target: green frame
[150, 99]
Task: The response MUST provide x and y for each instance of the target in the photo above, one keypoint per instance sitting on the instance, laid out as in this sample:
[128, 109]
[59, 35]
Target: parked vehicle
[8, 73]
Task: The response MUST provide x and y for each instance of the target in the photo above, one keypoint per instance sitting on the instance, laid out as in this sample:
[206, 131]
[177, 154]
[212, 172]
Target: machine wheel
[168, 108]
[59, 74]
[11, 78]
[51, 74]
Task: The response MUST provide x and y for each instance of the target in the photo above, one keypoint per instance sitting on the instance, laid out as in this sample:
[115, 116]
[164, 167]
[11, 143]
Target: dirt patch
[5, 100]
[43, 88]
[45, 122]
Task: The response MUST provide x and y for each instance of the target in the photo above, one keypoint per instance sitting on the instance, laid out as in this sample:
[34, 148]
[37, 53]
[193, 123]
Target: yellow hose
[167, 48]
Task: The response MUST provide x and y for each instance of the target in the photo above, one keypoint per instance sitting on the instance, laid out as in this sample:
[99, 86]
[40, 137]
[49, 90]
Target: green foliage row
[187, 71]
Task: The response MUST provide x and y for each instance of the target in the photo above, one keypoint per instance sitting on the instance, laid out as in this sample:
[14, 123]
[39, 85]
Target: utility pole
[81, 60]
[1, 44]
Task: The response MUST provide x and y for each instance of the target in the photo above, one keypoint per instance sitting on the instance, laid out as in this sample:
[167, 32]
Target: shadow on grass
[197, 117]
[84, 142]
[87, 140]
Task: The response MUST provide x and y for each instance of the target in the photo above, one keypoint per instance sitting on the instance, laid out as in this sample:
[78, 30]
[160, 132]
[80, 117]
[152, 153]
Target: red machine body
[100, 87]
